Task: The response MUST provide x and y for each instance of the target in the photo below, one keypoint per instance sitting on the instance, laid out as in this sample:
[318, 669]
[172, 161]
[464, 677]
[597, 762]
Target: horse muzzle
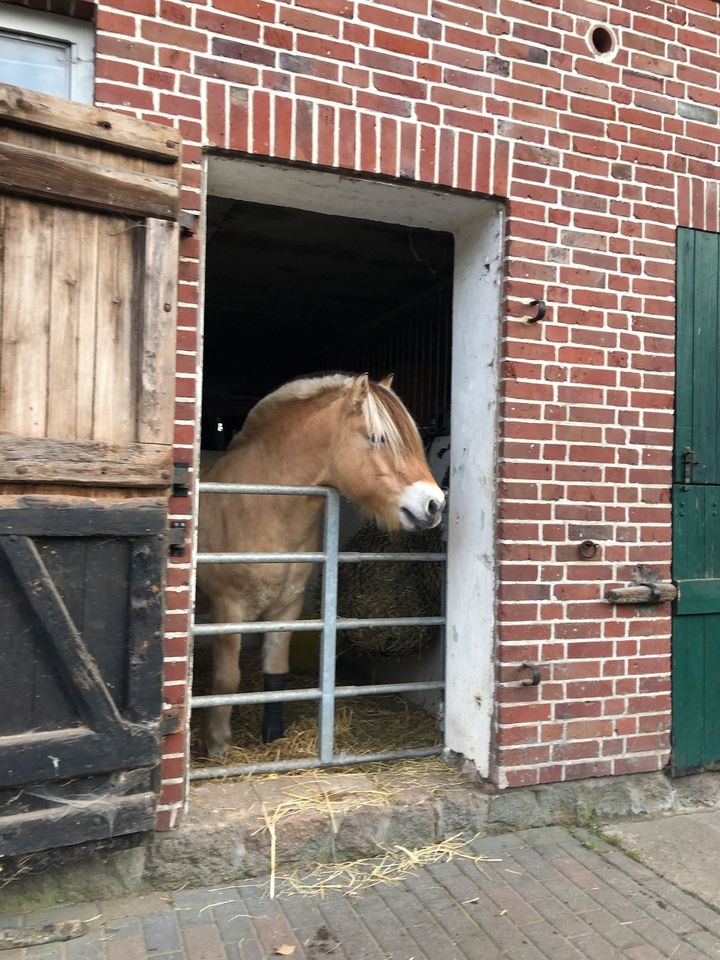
[422, 506]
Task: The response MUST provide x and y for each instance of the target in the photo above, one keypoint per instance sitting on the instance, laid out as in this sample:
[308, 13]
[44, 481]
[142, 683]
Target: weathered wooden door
[696, 506]
[88, 275]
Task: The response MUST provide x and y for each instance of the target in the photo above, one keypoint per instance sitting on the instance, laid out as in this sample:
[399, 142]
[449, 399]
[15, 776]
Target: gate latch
[688, 462]
[176, 538]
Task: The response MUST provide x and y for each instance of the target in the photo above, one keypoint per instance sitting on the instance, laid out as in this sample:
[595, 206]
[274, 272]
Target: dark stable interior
[290, 293]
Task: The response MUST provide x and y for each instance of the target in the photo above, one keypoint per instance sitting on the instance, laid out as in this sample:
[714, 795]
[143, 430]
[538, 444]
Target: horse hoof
[217, 748]
[272, 731]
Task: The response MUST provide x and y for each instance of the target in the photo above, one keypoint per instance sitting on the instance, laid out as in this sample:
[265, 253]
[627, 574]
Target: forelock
[386, 416]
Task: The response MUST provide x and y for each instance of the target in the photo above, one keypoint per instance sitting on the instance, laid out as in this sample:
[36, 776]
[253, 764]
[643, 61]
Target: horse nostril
[432, 508]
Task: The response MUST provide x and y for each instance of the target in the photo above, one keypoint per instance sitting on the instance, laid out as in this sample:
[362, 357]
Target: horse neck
[296, 447]
[288, 452]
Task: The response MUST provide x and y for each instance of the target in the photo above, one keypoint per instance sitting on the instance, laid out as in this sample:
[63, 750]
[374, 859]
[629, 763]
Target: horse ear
[387, 381]
[359, 391]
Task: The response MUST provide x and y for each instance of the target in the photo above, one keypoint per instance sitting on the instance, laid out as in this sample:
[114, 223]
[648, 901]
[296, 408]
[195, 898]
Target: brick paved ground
[551, 896]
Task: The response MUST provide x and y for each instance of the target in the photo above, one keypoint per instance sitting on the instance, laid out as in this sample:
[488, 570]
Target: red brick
[173, 36]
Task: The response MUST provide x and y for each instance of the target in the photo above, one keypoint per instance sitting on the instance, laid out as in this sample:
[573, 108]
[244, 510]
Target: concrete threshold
[248, 828]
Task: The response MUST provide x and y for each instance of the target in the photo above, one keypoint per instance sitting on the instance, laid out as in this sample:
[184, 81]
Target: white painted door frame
[478, 227]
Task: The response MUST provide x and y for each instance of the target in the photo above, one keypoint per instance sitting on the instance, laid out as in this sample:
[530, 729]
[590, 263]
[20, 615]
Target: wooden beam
[77, 822]
[45, 176]
[76, 121]
[79, 752]
[41, 516]
[638, 593]
[84, 462]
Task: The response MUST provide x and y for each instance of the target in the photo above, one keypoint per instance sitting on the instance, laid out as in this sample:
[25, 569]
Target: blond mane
[385, 414]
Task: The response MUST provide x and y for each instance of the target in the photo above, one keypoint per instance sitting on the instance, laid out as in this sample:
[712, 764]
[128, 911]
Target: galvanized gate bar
[326, 693]
[314, 693]
[309, 763]
[263, 626]
[269, 488]
[316, 557]
[328, 651]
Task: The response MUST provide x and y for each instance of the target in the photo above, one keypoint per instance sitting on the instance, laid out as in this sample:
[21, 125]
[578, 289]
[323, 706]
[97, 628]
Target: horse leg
[226, 677]
[276, 662]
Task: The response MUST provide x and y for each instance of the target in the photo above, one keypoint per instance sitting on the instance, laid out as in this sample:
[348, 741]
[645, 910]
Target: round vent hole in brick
[601, 40]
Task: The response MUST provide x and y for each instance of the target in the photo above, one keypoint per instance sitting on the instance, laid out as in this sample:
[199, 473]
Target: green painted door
[696, 507]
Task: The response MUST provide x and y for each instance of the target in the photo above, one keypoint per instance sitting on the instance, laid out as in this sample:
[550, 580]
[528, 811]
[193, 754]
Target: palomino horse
[340, 430]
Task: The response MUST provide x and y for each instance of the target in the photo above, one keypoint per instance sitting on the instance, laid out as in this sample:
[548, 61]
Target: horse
[339, 430]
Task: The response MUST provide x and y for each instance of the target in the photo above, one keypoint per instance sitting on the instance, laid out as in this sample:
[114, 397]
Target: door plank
[26, 318]
[65, 324]
[145, 640]
[70, 655]
[117, 338]
[28, 172]
[157, 367]
[698, 597]
[705, 358]
[684, 347]
[688, 694]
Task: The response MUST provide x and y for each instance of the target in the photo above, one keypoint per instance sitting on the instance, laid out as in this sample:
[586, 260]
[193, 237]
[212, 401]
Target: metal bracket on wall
[181, 477]
[188, 223]
[176, 538]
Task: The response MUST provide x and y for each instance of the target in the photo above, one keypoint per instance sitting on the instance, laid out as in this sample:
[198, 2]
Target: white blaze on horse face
[421, 506]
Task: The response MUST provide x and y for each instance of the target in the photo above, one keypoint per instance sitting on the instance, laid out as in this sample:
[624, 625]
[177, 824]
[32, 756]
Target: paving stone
[45, 951]
[706, 943]
[203, 943]
[162, 933]
[614, 932]
[349, 930]
[435, 940]
[594, 947]
[123, 927]
[135, 906]
[132, 948]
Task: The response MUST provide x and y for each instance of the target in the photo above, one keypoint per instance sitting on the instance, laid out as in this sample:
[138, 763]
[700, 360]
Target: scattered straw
[362, 725]
[395, 864]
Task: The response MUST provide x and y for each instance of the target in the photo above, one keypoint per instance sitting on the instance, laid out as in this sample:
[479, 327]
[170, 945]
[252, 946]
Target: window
[47, 53]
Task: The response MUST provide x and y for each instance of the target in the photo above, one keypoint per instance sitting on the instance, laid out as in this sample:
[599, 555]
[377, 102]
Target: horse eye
[376, 440]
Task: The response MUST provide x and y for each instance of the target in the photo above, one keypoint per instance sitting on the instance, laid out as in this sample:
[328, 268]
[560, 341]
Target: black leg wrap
[272, 724]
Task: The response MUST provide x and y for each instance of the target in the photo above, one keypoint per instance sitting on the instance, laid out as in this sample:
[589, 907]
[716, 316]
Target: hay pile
[362, 725]
[386, 589]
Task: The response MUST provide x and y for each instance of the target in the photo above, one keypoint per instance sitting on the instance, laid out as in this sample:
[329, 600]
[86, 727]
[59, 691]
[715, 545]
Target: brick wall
[600, 159]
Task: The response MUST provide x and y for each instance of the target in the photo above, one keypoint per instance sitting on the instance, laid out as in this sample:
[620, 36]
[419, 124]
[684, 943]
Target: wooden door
[88, 275]
[696, 507]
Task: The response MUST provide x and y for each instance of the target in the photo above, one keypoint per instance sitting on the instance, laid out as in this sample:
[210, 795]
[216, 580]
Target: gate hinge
[188, 223]
[170, 723]
[180, 480]
[688, 462]
[176, 538]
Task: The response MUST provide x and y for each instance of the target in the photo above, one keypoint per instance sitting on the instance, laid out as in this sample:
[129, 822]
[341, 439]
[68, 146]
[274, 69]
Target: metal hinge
[181, 477]
[188, 223]
[688, 462]
[176, 538]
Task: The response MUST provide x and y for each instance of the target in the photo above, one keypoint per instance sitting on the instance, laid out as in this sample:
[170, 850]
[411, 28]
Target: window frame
[79, 34]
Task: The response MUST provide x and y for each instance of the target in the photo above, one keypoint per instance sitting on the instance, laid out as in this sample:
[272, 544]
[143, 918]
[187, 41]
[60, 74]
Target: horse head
[378, 458]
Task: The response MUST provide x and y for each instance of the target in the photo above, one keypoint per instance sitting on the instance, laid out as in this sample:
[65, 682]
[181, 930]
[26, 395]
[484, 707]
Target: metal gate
[327, 693]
